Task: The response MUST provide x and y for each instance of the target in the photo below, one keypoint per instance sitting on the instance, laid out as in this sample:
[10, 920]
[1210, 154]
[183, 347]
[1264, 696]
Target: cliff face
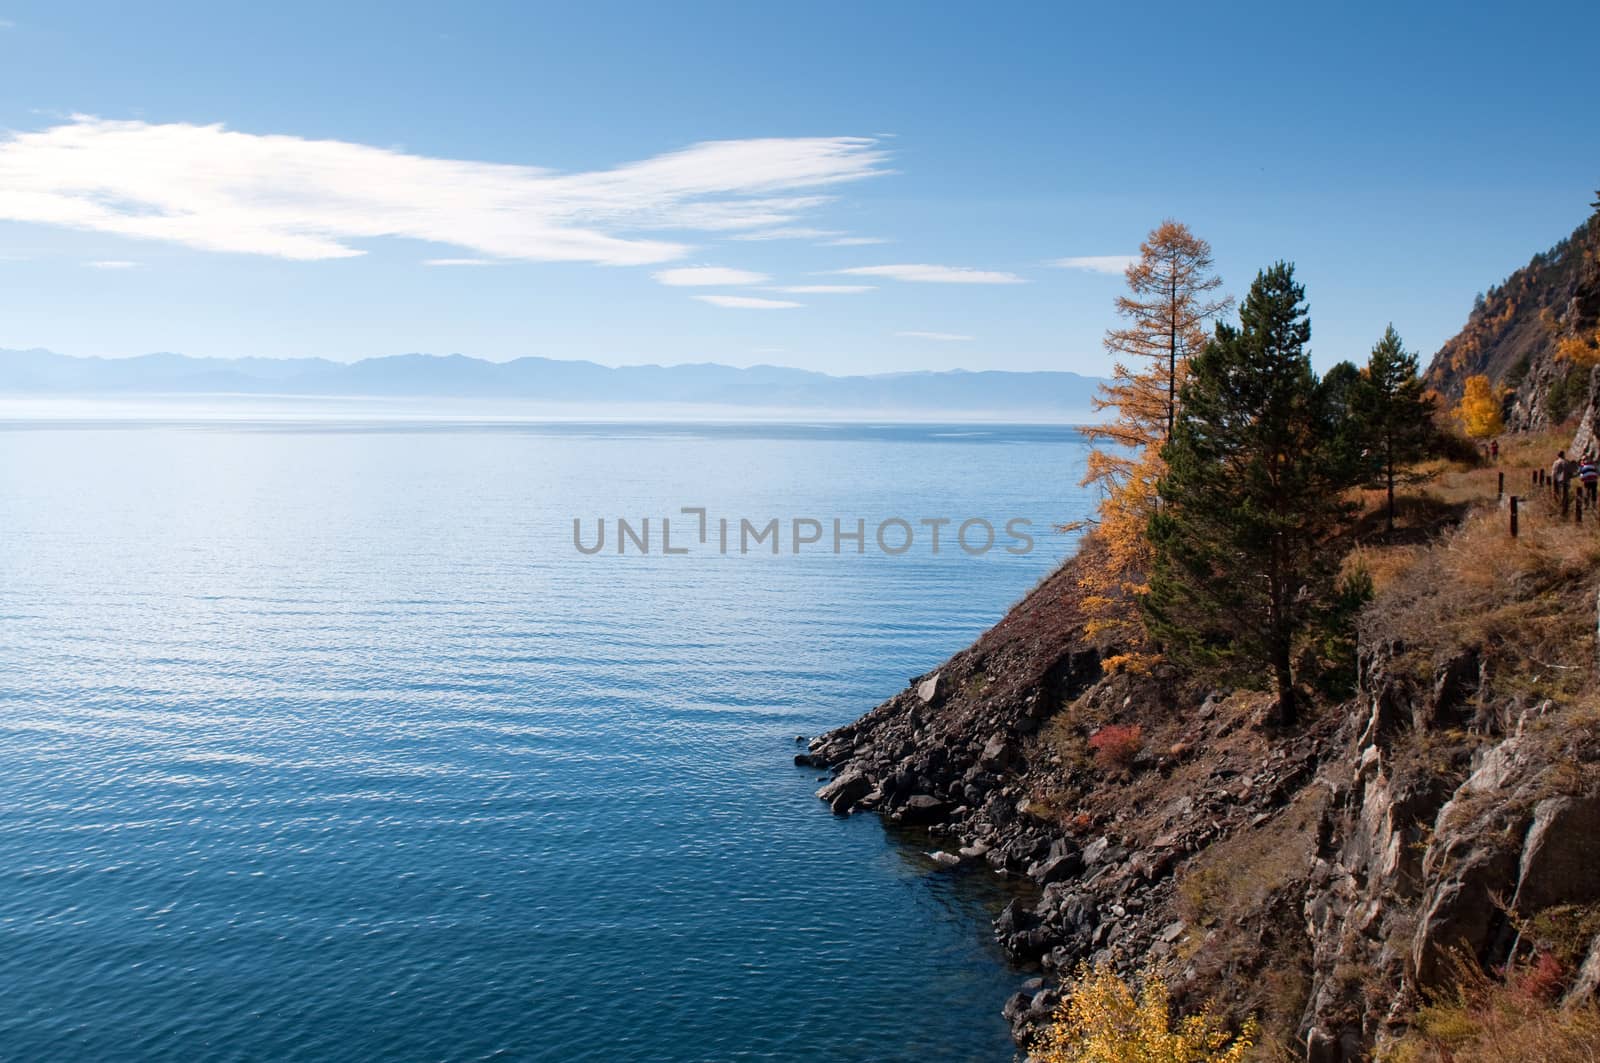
[1512, 333]
[1322, 879]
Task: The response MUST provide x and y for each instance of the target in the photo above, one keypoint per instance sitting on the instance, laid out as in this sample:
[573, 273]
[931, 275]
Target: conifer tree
[1393, 414]
[1168, 303]
[1250, 496]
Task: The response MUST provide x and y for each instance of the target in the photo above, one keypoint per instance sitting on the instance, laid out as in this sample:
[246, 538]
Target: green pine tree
[1394, 416]
[1253, 492]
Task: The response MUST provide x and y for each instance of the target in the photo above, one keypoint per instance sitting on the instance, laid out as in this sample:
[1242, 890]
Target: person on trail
[1494, 450]
[1558, 472]
[1589, 477]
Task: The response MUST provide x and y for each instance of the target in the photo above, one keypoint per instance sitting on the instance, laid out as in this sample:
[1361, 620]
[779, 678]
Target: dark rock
[1056, 868]
[1558, 864]
[923, 809]
[845, 791]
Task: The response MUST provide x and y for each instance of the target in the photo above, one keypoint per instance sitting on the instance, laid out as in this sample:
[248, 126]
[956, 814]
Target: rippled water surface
[320, 741]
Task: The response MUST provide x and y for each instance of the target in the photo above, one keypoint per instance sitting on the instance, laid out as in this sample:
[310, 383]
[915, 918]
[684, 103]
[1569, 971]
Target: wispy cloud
[708, 277]
[459, 262]
[746, 302]
[822, 289]
[215, 189]
[947, 337]
[854, 241]
[925, 274]
[7, 24]
[787, 234]
[1115, 264]
[113, 263]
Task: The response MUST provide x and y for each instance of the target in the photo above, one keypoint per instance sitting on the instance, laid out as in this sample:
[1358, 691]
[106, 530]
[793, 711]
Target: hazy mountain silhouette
[41, 372]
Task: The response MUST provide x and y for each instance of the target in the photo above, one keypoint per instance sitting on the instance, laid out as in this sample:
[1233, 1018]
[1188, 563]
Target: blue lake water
[321, 741]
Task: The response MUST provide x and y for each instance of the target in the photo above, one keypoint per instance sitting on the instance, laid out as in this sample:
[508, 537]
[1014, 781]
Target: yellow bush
[1582, 351]
[1479, 411]
[1105, 1021]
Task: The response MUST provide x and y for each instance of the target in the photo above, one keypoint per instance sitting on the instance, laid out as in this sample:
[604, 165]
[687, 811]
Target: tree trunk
[1288, 709]
[1390, 468]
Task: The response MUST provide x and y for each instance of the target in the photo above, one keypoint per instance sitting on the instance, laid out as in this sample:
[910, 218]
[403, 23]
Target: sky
[849, 187]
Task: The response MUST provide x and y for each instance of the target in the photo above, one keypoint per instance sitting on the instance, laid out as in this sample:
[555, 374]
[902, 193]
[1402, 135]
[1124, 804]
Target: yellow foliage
[1581, 351]
[1105, 1021]
[1479, 410]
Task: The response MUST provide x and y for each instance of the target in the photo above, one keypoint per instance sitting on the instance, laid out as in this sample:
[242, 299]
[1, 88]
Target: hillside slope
[1323, 879]
[1512, 332]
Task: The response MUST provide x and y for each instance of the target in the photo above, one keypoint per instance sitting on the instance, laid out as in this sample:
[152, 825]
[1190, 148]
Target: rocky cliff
[1513, 330]
[1323, 879]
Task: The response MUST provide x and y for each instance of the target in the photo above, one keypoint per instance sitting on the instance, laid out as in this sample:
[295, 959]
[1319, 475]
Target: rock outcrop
[1324, 878]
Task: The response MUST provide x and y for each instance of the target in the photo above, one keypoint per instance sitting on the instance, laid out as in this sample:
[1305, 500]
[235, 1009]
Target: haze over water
[319, 740]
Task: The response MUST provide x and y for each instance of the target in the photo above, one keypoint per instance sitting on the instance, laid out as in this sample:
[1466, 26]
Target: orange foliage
[1169, 301]
[1582, 351]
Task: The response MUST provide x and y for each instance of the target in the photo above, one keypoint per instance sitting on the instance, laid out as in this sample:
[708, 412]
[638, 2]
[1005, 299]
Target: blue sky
[274, 179]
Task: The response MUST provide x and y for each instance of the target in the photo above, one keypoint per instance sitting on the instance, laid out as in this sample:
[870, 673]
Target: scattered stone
[923, 809]
[845, 790]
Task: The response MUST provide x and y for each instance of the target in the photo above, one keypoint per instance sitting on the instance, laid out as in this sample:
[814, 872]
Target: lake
[321, 740]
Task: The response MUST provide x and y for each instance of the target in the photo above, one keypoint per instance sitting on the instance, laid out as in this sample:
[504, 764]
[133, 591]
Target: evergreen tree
[1394, 415]
[1252, 494]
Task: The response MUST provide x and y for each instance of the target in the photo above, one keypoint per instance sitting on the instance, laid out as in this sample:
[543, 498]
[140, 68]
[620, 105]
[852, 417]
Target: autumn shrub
[1116, 745]
[1480, 408]
[1104, 1019]
[1484, 1020]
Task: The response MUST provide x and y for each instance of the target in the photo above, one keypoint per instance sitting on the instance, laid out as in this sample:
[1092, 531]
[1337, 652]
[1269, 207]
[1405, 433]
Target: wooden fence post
[1513, 516]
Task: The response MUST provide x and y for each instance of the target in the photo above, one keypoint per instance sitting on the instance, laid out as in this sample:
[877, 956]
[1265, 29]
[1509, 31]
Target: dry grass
[1526, 605]
[1487, 1021]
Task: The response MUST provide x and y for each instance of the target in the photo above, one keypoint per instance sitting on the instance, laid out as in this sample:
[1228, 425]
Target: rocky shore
[1320, 879]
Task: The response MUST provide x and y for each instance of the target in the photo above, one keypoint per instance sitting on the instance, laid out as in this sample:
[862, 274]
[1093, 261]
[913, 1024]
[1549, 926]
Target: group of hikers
[1564, 471]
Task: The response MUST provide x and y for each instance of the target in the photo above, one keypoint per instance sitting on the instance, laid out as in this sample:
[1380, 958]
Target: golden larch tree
[1479, 409]
[1169, 301]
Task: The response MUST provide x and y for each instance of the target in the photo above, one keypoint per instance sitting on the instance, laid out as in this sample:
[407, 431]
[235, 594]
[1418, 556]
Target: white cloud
[746, 302]
[1115, 264]
[214, 189]
[926, 274]
[112, 263]
[787, 234]
[7, 24]
[708, 276]
[948, 337]
[459, 262]
[854, 241]
[822, 289]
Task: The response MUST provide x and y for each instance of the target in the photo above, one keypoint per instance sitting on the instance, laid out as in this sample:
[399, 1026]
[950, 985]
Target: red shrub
[1115, 745]
[1541, 980]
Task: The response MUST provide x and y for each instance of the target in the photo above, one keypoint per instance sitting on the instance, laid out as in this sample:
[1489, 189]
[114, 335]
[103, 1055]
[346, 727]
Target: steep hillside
[1512, 334]
[1326, 879]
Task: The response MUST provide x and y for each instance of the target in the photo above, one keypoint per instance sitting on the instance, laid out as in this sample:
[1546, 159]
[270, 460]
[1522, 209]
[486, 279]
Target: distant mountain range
[546, 380]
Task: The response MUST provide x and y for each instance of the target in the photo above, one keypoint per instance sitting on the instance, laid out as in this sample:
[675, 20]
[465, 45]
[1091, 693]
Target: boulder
[1055, 868]
[848, 788]
[928, 689]
[923, 809]
[1558, 855]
